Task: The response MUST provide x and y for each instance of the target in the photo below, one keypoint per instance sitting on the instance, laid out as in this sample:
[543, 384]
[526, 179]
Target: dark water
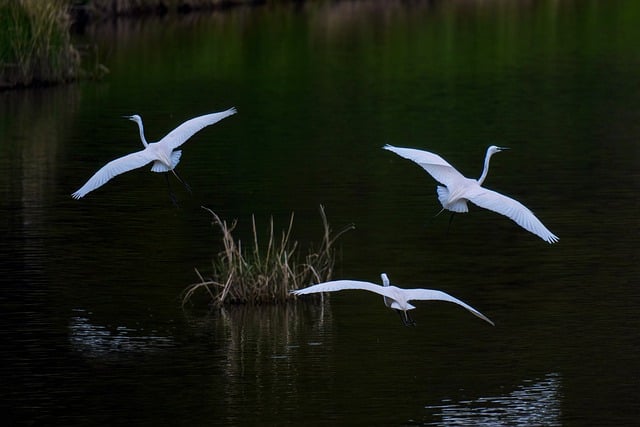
[91, 326]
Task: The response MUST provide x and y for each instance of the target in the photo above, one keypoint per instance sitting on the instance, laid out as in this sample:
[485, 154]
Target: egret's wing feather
[113, 168]
[186, 130]
[513, 209]
[418, 156]
[341, 285]
[435, 165]
[431, 294]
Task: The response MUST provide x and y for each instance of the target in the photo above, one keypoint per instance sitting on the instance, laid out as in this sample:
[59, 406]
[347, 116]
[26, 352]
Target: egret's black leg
[409, 320]
[435, 216]
[450, 221]
[183, 182]
[171, 195]
[406, 319]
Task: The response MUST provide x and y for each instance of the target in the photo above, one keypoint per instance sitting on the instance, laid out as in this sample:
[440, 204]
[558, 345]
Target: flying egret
[163, 153]
[394, 297]
[458, 190]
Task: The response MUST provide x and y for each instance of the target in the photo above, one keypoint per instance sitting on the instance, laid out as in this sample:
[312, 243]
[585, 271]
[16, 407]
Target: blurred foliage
[110, 8]
[35, 44]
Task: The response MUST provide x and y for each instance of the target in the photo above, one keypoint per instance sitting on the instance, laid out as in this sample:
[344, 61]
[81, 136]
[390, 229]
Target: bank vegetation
[35, 43]
[36, 46]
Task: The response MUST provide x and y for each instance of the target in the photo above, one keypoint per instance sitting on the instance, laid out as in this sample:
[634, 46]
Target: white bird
[458, 190]
[394, 297]
[163, 153]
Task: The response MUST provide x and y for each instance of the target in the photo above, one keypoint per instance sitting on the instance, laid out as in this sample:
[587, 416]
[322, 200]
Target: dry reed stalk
[254, 276]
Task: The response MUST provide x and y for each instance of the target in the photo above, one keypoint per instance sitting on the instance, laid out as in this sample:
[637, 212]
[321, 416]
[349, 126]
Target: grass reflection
[258, 352]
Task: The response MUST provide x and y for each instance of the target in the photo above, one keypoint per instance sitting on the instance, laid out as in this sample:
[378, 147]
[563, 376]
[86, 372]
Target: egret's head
[494, 149]
[135, 118]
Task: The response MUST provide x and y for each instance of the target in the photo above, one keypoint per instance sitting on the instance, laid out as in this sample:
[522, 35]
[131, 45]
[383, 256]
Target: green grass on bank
[35, 44]
[35, 38]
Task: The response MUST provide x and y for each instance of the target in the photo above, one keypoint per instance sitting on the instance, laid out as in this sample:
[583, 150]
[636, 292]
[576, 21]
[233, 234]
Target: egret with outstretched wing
[459, 189]
[163, 153]
[394, 297]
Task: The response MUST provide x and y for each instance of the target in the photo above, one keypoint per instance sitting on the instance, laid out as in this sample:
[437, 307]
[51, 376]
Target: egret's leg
[435, 216]
[171, 195]
[406, 319]
[450, 221]
[187, 186]
[409, 320]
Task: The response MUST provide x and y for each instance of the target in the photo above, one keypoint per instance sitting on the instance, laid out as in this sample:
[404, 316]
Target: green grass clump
[35, 44]
[264, 274]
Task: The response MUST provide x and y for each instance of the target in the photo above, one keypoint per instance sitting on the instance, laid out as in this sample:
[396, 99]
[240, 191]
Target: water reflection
[259, 352]
[267, 333]
[533, 403]
[106, 342]
[33, 125]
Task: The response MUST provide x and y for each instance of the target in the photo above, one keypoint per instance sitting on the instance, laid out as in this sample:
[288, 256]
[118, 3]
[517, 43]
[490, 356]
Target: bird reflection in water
[534, 403]
[94, 340]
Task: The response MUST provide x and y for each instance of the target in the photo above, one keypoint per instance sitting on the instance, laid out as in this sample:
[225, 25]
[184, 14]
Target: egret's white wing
[430, 294]
[186, 130]
[513, 209]
[113, 168]
[341, 285]
[435, 165]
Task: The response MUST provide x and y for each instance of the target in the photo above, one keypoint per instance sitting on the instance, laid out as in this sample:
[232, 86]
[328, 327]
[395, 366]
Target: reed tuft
[35, 45]
[264, 273]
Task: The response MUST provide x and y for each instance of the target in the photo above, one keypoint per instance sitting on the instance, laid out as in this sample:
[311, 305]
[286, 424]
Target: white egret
[163, 153]
[394, 297]
[458, 190]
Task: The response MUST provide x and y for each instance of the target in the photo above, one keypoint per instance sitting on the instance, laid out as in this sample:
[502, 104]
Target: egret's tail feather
[459, 206]
[158, 166]
[443, 194]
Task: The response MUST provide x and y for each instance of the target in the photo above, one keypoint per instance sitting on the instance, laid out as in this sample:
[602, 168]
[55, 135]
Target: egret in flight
[394, 297]
[458, 190]
[163, 153]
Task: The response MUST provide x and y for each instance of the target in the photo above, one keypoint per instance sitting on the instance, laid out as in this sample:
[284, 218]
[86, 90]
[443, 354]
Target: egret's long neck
[142, 138]
[485, 171]
[385, 279]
